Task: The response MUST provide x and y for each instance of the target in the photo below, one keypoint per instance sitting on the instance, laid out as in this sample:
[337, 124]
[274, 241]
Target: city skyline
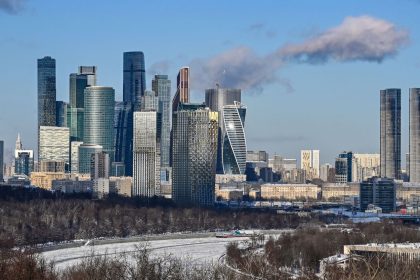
[355, 83]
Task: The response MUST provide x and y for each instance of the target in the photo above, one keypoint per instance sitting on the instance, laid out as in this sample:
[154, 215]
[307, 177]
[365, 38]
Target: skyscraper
[233, 139]
[46, 91]
[74, 156]
[146, 154]
[134, 80]
[61, 113]
[390, 131]
[54, 144]
[216, 99]
[161, 85]
[99, 118]
[85, 157]
[182, 94]
[149, 101]
[123, 123]
[99, 166]
[195, 131]
[414, 156]
[90, 73]
[1, 159]
[309, 161]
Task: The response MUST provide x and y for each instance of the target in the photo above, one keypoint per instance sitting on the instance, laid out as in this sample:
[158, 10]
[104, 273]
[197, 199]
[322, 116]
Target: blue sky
[297, 97]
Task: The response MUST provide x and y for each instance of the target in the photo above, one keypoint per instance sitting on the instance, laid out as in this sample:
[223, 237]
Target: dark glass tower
[391, 133]
[123, 128]
[134, 83]
[46, 92]
[1, 159]
[414, 156]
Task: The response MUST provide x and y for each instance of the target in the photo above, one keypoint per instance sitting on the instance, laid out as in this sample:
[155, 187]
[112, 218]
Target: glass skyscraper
[216, 99]
[161, 85]
[390, 130]
[46, 91]
[123, 123]
[61, 108]
[99, 118]
[54, 144]
[182, 94]
[1, 159]
[195, 130]
[233, 141]
[414, 156]
[134, 79]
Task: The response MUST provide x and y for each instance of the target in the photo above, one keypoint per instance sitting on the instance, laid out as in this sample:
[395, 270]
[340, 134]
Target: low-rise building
[399, 251]
[72, 186]
[44, 179]
[331, 191]
[290, 191]
[121, 185]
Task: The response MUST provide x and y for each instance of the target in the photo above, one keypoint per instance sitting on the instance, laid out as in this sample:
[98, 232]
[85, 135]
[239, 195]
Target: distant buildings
[195, 130]
[1, 160]
[257, 156]
[74, 156]
[380, 192]
[309, 162]
[24, 159]
[99, 165]
[85, 157]
[146, 154]
[290, 191]
[123, 129]
[390, 130]
[61, 109]
[414, 156]
[182, 94]
[134, 78]
[367, 165]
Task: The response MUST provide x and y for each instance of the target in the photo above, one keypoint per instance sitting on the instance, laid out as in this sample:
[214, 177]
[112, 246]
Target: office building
[52, 166]
[74, 156]
[414, 158]
[216, 100]
[134, 79]
[233, 149]
[46, 92]
[1, 160]
[99, 165]
[257, 156]
[90, 73]
[99, 118]
[61, 108]
[120, 185]
[161, 85]
[85, 157]
[182, 94]
[54, 144]
[146, 154]
[149, 101]
[195, 130]
[123, 126]
[24, 160]
[380, 192]
[390, 131]
[309, 162]
[345, 169]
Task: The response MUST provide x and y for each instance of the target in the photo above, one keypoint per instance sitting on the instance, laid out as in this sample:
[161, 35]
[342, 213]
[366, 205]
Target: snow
[198, 250]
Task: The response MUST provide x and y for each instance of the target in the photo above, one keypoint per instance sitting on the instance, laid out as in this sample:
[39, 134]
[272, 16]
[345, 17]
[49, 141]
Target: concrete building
[290, 192]
[390, 131]
[195, 130]
[44, 179]
[100, 188]
[257, 156]
[380, 192]
[54, 144]
[46, 92]
[339, 192]
[146, 154]
[367, 166]
[121, 185]
[99, 165]
[324, 172]
[309, 161]
[52, 166]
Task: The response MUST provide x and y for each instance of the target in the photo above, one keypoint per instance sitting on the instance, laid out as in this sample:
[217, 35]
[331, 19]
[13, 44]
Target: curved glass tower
[99, 118]
[234, 143]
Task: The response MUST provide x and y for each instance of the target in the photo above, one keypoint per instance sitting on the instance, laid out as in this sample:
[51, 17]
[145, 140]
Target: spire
[18, 143]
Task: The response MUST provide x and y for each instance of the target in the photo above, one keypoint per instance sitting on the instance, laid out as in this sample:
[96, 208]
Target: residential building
[195, 130]
[390, 131]
[146, 154]
[100, 188]
[74, 156]
[121, 185]
[99, 165]
[290, 192]
[44, 179]
[367, 165]
[309, 161]
[339, 192]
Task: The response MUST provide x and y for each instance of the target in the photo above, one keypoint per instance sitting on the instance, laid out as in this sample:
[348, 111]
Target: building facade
[99, 166]
[146, 154]
[182, 94]
[309, 162]
[46, 92]
[414, 156]
[54, 144]
[380, 192]
[99, 118]
[85, 157]
[134, 77]
[1, 160]
[195, 130]
[390, 131]
[290, 191]
[161, 85]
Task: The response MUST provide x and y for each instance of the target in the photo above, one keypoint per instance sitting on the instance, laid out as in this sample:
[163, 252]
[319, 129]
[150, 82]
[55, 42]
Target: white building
[146, 154]
[367, 166]
[100, 188]
[309, 161]
[54, 143]
[74, 156]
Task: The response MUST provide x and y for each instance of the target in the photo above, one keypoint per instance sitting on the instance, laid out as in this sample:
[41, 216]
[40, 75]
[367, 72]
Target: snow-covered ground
[198, 250]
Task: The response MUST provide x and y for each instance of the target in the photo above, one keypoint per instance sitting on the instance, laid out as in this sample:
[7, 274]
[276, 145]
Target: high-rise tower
[414, 156]
[46, 91]
[134, 80]
[390, 131]
[182, 94]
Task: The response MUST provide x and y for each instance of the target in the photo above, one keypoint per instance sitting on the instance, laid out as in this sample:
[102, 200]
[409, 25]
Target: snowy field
[198, 250]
